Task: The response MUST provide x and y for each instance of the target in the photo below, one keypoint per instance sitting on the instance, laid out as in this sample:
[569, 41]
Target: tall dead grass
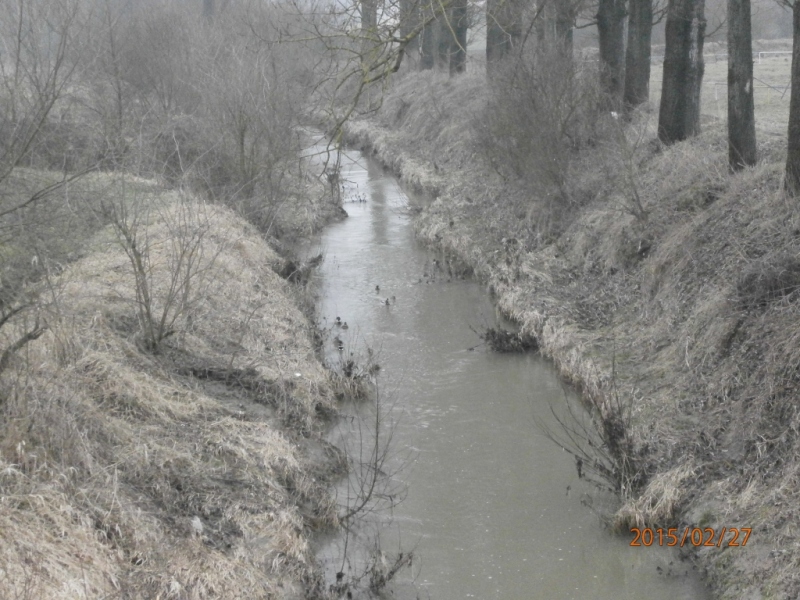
[125, 474]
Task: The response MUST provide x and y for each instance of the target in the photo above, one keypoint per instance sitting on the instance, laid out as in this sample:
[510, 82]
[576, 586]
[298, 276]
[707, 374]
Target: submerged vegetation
[501, 340]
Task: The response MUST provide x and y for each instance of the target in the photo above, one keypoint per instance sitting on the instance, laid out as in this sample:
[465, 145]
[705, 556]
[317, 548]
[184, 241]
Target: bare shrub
[371, 486]
[252, 114]
[543, 111]
[164, 292]
[623, 151]
[602, 442]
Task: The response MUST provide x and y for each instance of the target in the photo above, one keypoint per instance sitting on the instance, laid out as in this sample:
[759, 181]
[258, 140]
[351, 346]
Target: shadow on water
[494, 509]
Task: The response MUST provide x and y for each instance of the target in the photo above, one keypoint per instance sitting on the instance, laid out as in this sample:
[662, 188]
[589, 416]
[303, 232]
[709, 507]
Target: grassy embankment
[689, 311]
[195, 471]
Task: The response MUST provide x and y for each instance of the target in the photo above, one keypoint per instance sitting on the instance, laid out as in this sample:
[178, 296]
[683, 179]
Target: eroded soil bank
[192, 469]
[685, 313]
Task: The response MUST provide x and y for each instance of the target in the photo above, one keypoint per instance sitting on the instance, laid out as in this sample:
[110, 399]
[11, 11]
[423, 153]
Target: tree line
[434, 35]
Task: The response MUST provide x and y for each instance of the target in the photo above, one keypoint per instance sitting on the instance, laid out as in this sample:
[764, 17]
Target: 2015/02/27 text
[696, 536]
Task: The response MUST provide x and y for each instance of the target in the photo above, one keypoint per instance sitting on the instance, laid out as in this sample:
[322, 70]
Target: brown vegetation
[193, 472]
[683, 304]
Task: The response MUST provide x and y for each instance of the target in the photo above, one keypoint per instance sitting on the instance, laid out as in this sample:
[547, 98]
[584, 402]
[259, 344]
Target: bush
[170, 274]
[543, 111]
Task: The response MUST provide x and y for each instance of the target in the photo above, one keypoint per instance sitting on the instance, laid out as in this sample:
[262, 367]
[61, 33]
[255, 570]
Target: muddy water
[493, 510]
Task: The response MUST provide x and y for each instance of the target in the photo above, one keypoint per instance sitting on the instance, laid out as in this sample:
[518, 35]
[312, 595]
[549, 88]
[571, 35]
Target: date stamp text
[693, 536]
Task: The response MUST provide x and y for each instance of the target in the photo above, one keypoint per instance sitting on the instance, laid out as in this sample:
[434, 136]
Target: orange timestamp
[694, 536]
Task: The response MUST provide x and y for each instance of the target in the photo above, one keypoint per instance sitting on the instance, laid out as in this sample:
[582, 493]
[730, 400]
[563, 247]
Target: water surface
[493, 510]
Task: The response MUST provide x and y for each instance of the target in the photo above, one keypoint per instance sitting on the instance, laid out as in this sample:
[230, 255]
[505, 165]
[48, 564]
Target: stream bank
[195, 467]
[689, 317]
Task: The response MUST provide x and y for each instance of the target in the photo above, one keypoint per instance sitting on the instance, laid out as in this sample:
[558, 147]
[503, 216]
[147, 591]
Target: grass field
[771, 74]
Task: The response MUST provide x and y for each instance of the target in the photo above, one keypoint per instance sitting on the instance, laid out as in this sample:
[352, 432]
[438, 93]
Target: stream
[490, 507]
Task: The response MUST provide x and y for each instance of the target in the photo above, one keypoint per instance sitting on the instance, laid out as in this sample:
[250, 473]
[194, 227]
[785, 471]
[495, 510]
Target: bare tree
[792, 182]
[503, 28]
[36, 67]
[158, 67]
[360, 59]
[741, 111]
[611, 30]
[637, 54]
[697, 36]
[679, 114]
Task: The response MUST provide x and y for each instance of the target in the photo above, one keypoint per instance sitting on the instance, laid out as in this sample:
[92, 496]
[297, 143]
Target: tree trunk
[369, 15]
[208, 8]
[427, 49]
[565, 23]
[444, 37]
[409, 20]
[611, 30]
[637, 56]
[741, 113]
[458, 52]
[697, 35]
[369, 19]
[554, 26]
[426, 57]
[792, 182]
[502, 28]
[679, 114]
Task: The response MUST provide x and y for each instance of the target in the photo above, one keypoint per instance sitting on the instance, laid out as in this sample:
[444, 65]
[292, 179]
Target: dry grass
[39, 240]
[125, 474]
[691, 311]
[658, 503]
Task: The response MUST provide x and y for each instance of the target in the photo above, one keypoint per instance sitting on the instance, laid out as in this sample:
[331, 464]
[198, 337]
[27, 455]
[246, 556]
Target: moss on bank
[691, 313]
[195, 471]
